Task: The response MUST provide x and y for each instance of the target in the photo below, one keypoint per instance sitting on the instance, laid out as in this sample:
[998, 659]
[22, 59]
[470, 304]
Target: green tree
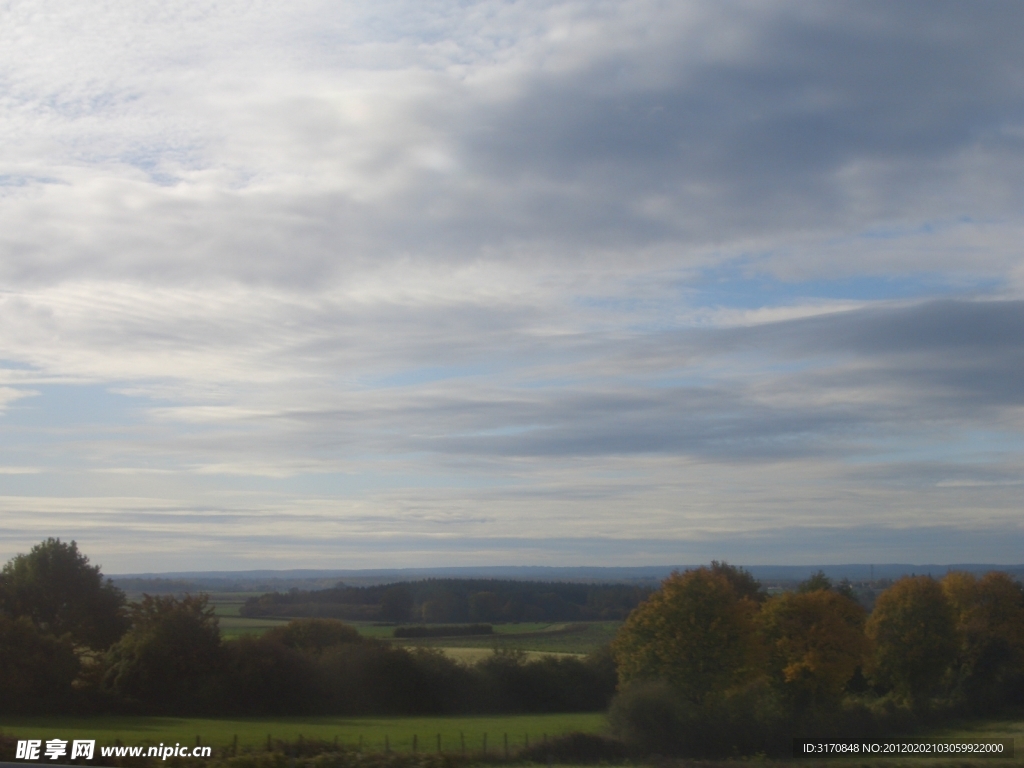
[816, 642]
[913, 631]
[696, 633]
[36, 668]
[171, 660]
[816, 582]
[55, 587]
[314, 635]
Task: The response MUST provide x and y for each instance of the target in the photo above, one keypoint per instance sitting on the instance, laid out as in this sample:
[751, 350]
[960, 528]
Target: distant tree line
[69, 641]
[455, 600]
[711, 665]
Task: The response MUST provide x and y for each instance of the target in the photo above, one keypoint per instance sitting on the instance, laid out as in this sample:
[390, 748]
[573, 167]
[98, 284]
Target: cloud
[237, 142]
[710, 267]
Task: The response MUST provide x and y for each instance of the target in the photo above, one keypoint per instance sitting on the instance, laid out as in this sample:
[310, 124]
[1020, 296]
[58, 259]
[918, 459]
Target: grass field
[543, 638]
[253, 732]
[1009, 727]
[534, 637]
[371, 733]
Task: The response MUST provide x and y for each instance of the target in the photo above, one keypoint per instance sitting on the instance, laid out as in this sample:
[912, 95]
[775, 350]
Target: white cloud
[457, 269]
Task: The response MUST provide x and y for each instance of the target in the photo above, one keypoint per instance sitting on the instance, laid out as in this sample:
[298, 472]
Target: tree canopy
[989, 618]
[912, 628]
[697, 633]
[36, 668]
[815, 641]
[171, 658]
[55, 587]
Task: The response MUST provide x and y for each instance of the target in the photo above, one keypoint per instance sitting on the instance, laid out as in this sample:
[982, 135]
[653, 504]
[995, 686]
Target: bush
[266, 677]
[648, 716]
[314, 635]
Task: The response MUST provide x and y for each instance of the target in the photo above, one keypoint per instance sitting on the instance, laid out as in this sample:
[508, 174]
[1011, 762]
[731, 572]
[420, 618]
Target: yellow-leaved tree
[815, 642]
[697, 633]
[989, 617]
[914, 633]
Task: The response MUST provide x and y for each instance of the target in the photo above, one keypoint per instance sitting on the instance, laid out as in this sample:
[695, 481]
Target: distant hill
[312, 579]
[444, 601]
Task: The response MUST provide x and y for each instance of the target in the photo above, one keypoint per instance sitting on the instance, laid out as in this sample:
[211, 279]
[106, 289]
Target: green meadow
[252, 733]
[579, 638]
[533, 637]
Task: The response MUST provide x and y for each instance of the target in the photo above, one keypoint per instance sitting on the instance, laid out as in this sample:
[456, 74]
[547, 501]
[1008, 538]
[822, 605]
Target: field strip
[372, 732]
[474, 655]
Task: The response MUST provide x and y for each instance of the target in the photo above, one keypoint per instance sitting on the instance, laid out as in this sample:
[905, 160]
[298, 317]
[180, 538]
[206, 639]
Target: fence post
[234, 746]
[270, 746]
[462, 741]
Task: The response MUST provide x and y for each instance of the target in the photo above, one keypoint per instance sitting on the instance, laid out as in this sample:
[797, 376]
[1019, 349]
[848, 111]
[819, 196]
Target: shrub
[314, 635]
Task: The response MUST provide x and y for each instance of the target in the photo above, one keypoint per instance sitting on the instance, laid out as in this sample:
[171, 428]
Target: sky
[357, 284]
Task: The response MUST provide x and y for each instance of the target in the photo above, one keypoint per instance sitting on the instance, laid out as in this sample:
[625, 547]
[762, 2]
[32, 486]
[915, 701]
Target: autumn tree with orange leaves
[815, 642]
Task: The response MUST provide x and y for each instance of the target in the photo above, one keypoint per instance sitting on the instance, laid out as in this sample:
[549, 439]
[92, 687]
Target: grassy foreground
[1010, 727]
[253, 732]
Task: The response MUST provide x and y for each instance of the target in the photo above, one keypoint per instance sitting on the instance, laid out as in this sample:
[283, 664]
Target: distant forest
[435, 601]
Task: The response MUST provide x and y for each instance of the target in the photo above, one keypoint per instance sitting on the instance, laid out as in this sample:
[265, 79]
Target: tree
[743, 581]
[815, 642]
[36, 668]
[314, 635]
[989, 616]
[912, 628]
[696, 633]
[816, 582]
[171, 660]
[56, 588]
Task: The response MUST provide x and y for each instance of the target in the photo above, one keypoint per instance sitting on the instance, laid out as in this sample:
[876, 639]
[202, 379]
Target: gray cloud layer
[663, 272]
